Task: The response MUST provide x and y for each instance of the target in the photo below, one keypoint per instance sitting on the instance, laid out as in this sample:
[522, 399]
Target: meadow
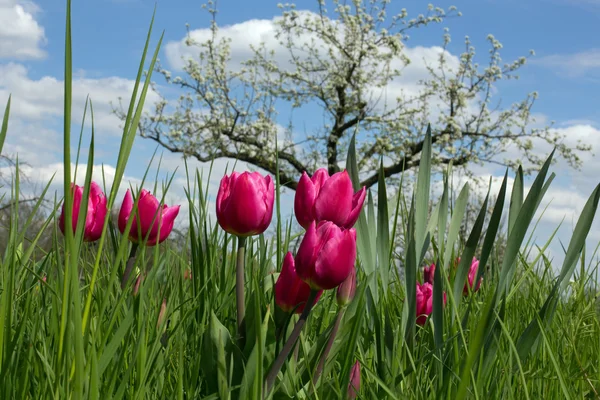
[121, 311]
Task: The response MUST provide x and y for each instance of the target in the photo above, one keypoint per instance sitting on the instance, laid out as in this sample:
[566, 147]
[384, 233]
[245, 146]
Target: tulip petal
[305, 257]
[96, 213]
[125, 212]
[150, 217]
[269, 200]
[334, 201]
[304, 201]
[223, 199]
[336, 259]
[358, 199]
[168, 221]
[319, 178]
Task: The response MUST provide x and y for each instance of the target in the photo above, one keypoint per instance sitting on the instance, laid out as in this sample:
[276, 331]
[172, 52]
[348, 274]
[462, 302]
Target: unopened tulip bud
[346, 290]
[354, 385]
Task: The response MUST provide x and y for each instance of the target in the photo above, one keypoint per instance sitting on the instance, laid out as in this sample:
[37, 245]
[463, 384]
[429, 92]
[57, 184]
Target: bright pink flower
[354, 385]
[428, 273]
[155, 221]
[425, 301]
[96, 212]
[347, 290]
[472, 276]
[324, 198]
[245, 203]
[291, 292]
[326, 255]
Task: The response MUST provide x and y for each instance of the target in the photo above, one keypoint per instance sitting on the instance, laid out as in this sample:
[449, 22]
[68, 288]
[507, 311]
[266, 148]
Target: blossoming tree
[347, 60]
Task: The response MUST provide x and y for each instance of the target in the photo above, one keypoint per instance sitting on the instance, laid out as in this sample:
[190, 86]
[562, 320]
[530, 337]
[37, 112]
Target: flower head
[325, 198]
[155, 221]
[96, 212]
[245, 203]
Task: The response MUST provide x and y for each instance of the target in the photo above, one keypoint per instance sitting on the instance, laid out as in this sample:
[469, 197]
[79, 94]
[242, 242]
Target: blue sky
[108, 36]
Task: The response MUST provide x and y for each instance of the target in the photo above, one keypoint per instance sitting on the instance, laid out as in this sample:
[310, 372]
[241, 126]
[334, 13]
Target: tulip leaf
[521, 224]
[492, 229]
[348, 358]
[455, 223]
[4, 128]
[531, 334]
[383, 232]
[365, 250]
[422, 192]
[469, 251]
[516, 199]
[410, 277]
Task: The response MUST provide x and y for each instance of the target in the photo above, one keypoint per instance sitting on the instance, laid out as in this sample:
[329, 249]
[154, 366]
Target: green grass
[532, 331]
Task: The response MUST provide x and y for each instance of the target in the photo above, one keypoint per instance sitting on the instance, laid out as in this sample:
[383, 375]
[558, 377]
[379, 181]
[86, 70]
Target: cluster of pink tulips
[425, 289]
[155, 221]
[327, 207]
[151, 224]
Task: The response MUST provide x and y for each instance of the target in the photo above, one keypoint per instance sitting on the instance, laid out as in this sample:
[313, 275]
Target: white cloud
[21, 36]
[42, 99]
[572, 65]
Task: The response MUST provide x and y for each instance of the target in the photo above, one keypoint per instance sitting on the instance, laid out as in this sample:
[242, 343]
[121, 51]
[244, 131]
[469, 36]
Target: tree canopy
[347, 60]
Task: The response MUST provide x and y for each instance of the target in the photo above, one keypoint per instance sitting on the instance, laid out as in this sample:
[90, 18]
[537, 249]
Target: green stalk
[129, 266]
[332, 336]
[280, 360]
[239, 285]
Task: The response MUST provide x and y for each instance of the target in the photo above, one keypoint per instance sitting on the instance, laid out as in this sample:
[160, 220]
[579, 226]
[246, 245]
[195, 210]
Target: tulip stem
[129, 266]
[332, 336]
[289, 344]
[239, 286]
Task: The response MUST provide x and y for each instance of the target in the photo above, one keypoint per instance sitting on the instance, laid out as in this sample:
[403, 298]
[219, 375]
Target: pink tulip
[326, 255]
[291, 292]
[96, 212]
[347, 290]
[245, 203]
[472, 276]
[155, 221]
[425, 301]
[428, 273]
[324, 198]
[354, 385]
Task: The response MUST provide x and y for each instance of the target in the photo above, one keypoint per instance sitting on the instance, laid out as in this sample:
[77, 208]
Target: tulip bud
[472, 276]
[346, 290]
[324, 198]
[245, 203]
[155, 221]
[326, 255]
[96, 212]
[138, 283]
[291, 292]
[187, 274]
[425, 301]
[354, 385]
[428, 273]
[162, 313]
